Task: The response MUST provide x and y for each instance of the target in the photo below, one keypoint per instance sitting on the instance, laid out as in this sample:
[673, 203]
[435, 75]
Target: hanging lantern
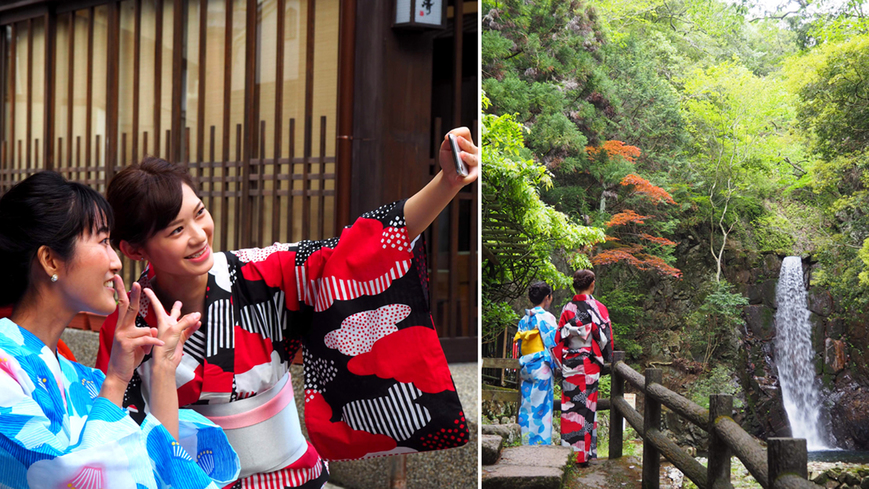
[420, 14]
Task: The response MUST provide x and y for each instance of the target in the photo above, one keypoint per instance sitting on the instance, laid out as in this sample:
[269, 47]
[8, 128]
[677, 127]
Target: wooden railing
[782, 466]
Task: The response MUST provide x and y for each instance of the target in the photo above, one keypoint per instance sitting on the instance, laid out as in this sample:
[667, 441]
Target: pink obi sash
[264, 430]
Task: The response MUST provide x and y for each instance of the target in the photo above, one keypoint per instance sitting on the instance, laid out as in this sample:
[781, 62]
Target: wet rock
[834, 356]
[850, 417]
[835, 328]
[771, 266]
[819, 327]
[850, 479]
[760, 320]
[820, 301]
[769, 298]
[754, 292]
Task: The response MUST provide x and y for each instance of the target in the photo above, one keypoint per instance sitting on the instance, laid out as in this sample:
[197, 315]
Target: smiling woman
[376, 380]
[62, 424]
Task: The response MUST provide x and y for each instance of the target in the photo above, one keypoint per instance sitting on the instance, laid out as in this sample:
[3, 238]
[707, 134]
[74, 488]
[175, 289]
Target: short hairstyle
[582, 280]
[538, 292]
[146, 197]
[44, 210]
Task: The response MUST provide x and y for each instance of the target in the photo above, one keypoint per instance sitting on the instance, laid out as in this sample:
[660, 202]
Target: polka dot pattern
[359, 331]
[447, 437]
[260, 254]
[393, 237]
[381, 212]
[318, 373]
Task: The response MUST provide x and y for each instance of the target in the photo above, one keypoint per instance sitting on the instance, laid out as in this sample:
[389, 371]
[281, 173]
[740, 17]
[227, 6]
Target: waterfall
[795, 356]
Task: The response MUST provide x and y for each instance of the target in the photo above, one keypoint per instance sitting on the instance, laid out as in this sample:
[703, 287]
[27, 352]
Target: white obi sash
[264, 430]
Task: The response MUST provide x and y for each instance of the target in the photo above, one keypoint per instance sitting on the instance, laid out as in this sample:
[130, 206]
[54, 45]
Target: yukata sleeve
[376, 378]
[54, 438]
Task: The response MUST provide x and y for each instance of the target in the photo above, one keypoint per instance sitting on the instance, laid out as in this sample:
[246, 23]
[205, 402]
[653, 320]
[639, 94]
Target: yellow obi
[531, 341]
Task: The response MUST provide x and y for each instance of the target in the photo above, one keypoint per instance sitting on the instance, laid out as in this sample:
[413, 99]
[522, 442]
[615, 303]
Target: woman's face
[184, 246]
[85, 281]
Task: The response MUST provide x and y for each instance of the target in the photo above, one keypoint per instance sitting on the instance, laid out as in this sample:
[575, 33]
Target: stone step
[528, 467]
[491, 448]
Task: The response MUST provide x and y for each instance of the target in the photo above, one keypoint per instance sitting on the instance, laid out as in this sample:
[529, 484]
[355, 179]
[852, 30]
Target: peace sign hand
[171, 330]
[131, 343]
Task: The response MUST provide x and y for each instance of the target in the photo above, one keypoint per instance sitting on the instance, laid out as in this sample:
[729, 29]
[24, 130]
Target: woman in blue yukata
[61, 423]
[534, 340]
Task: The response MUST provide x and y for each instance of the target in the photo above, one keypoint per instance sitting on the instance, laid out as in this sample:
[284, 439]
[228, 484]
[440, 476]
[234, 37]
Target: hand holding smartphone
[461, 169]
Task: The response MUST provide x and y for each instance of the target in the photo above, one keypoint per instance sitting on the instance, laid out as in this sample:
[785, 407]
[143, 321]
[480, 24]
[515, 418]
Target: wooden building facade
[293, 116]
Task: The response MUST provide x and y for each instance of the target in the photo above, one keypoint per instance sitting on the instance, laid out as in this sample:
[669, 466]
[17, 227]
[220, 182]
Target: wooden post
[651, 421]
[398, 472]
[787, 456]
[718, 468]
[617, 390]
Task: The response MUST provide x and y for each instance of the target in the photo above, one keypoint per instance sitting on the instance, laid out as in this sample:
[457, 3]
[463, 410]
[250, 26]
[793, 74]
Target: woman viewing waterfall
[795, 356]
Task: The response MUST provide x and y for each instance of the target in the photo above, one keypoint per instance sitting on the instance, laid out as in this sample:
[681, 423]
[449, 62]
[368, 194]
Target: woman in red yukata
[376, 379]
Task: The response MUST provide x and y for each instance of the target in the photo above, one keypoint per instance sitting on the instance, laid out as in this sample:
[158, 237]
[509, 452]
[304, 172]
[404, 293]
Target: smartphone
[461, 169]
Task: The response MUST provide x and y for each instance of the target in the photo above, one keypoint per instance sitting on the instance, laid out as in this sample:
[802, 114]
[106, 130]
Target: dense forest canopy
[626, 133]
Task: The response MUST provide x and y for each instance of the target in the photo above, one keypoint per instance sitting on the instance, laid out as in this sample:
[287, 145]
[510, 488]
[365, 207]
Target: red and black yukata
[584, 339]
[376, 379]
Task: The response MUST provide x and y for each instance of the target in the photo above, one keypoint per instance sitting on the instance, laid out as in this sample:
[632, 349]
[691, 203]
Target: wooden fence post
[617, 391]
[787, 456]
[718, 467]
[651, 421]
[398, 472]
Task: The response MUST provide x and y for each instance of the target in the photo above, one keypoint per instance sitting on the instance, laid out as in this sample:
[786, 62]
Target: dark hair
[146, 197]
[538, 292]
[582, 280]
[44, 209]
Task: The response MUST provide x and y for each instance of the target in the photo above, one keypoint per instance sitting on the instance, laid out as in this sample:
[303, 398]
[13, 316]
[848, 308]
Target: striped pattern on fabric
[282, 478]
[267, 319]
[395, 415]
[221, 333]
[323, 292]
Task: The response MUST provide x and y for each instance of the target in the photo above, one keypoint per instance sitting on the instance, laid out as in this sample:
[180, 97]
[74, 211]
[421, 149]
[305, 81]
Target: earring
[54, 278]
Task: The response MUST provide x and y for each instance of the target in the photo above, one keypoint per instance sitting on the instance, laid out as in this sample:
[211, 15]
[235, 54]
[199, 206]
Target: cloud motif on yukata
[359, 332]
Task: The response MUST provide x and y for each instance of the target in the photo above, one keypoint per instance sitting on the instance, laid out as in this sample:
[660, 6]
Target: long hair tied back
[44, 209]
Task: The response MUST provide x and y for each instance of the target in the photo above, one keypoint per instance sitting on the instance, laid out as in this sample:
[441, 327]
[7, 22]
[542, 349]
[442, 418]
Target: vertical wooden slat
[158, 76]
[453, 316]
[344, 143]
[238, 182]
[36, 155]
[291, 155]
[227, 90]
[168, 143]
[177, 77]
[28, 127]
[213, 168]
[90, 94]
[123, 150]
[48, 108]
[145, 143]
[249, 121]
[137, 62]
[434, 246]
[200, 104]
[309, 110]
[321, 204]
[4, 79]
[112, 89]
[13, 46]
[20, 162]
[261, 198]
[458, 23]
[70, 93]
[77, 159]
[279, 104]
[96, 180]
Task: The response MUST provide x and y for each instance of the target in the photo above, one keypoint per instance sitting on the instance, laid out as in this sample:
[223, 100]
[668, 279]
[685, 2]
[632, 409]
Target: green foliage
[624, 304]
[716, 381]
[713, 324]
[520, 232]
[496, 316]
[771, 235]
[863, 254]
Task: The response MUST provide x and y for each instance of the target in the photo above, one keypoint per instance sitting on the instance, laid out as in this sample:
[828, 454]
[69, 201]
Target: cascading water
[795, 356]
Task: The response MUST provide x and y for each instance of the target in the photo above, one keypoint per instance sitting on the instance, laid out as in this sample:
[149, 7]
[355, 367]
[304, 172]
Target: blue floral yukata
[533, 341]
[56, 432]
